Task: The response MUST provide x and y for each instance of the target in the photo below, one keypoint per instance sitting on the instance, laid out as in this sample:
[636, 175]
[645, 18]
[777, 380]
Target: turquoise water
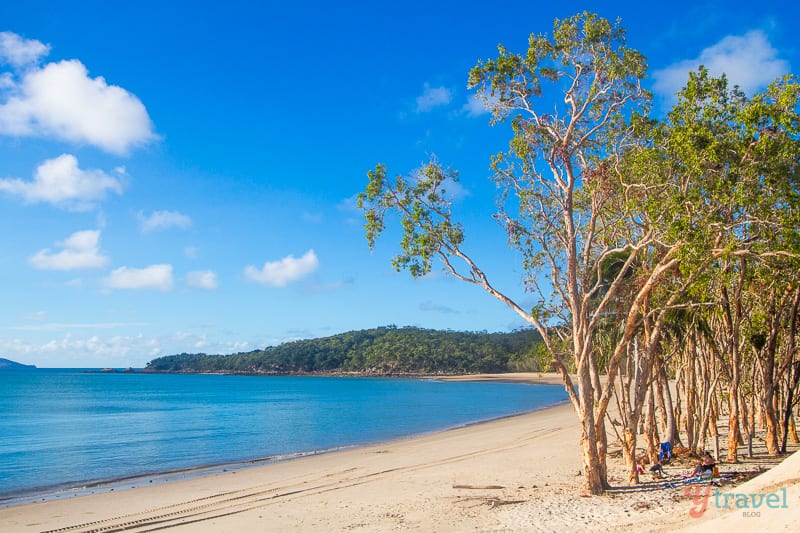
[68, 428]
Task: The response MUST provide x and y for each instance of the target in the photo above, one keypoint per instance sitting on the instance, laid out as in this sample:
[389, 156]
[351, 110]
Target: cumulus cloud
[158, 277]
[281, 273]
[202, 279]
[433, 97]
[62, 101]
[748, 61]
[63, 183]
[79, 250]
[161, 220]
[19, 52]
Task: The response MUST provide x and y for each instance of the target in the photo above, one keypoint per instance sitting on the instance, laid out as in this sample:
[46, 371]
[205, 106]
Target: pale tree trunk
[628, 417]
[600, 426]
[767, 363]
[743, 417]
[734, 432]
[678, 416]
[593, 469]
[651, 428]
[752, 429]
[663, 408]
[691, 399]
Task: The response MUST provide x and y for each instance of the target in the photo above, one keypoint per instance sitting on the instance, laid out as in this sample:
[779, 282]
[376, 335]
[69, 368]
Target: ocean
[64, 432]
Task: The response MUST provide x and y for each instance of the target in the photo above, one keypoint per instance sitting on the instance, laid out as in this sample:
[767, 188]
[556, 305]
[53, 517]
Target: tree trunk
[752, 429]
[629, 455]
[651, 428]
[768, 402]
[664, 409]
[691, 400]
[593, 469]
[734, 431]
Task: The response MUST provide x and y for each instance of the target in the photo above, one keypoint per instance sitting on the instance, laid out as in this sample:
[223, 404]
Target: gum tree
[567, 100]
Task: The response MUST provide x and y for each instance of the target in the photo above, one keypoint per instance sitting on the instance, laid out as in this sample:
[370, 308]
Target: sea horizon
[77, 431]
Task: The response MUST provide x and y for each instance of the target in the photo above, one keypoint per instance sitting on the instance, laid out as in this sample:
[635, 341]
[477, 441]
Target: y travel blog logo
[750, 504]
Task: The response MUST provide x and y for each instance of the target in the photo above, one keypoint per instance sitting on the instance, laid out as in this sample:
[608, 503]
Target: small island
[8, 364]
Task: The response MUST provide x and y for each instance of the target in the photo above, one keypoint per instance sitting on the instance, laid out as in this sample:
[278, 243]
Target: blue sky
[180, 176]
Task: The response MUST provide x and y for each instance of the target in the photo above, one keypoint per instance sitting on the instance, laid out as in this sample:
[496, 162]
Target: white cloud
[60, 100]
[476, 106]
[19, 52]
[63, 183]
[161, 220]
[748, 61]
[433, 97]
[79, 250]
[202, 279]
[281, 273]
[157, 277]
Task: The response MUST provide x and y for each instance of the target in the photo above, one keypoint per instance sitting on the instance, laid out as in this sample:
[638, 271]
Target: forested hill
[380, 351]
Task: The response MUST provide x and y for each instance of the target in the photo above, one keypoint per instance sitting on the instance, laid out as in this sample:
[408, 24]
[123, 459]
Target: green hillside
[380, 351]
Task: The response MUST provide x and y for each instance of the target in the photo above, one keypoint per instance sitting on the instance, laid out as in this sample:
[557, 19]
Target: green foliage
[380, 351]
[424, 209]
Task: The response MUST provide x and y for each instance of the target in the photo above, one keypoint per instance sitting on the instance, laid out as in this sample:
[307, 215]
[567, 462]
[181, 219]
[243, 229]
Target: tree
[553, 197]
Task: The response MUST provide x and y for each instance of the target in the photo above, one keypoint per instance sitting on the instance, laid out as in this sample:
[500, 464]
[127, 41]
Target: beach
[520, 473]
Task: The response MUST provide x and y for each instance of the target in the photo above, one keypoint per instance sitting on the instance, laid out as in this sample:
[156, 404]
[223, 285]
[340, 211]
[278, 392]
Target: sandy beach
[515, 474]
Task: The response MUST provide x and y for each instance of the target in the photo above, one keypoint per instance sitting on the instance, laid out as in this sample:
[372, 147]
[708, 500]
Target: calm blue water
[61, 428]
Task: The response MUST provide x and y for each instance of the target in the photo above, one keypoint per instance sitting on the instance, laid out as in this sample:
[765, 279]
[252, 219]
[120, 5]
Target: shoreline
[155, 478]
[295, 489]
[517, 473]
[72, 489]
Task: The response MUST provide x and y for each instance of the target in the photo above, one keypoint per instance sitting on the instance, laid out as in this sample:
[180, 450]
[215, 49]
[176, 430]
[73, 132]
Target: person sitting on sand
[706, 465]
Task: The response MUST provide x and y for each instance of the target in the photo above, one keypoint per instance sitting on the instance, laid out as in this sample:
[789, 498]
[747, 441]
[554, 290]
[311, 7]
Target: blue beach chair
[666, 452]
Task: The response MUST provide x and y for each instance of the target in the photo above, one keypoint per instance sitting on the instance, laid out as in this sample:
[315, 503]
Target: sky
[181, 176]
